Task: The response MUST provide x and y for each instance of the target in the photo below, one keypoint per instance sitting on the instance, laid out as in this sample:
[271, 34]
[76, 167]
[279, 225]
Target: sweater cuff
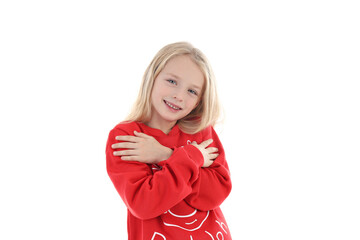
[195, 154]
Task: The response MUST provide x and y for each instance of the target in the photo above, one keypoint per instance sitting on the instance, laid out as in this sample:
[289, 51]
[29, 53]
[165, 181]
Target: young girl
[165, 160]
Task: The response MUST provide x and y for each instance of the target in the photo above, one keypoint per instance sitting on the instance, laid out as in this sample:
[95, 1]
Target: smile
[172, 105]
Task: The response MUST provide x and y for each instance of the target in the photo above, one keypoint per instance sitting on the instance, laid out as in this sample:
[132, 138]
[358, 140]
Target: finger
[194, 143]
[123, 145]
[213, 156]
[212, 149]
[140, 134]
[206, 143]
[129, 158]
[127, 138]
[125, 153]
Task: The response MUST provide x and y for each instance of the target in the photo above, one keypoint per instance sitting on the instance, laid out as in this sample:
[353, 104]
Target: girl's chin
[171, 120]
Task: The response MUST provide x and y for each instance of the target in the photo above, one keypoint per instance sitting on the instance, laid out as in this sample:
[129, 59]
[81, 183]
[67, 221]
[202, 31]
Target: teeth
[172, 106]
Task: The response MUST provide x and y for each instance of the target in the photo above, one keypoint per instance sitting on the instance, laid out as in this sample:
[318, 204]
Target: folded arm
[148, 194]
[213, 184]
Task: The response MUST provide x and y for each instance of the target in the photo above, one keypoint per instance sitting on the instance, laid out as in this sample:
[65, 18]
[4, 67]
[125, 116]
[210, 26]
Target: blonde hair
[206, 113]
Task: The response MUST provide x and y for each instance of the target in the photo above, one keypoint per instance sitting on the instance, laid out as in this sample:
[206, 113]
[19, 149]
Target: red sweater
[176, 198]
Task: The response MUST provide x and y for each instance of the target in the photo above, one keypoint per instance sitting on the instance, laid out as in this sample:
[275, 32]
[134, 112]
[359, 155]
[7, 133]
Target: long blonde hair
[204, 114]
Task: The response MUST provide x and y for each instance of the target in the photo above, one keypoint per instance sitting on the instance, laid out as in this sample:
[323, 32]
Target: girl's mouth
[172, 106]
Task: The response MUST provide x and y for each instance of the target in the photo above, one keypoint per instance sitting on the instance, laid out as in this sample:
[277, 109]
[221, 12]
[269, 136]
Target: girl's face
[176, 91]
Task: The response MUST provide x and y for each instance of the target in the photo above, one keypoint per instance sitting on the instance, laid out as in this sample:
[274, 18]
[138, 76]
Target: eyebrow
[177, 77]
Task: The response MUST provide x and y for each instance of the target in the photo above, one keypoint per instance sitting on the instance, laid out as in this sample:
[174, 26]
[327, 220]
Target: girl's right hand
[209, 153]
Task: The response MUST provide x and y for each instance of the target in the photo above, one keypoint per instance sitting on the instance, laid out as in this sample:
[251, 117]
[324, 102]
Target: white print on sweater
[189, 223]
[219, 235]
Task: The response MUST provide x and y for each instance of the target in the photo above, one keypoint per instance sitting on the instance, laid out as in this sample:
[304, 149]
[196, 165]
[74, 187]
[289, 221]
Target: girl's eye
[193, 92]
[171, 81]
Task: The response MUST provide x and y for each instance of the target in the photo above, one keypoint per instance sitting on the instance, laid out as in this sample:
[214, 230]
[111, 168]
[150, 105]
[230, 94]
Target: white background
[288, 77]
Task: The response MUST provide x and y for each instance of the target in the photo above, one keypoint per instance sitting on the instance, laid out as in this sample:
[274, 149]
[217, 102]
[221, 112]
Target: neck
[164, 126]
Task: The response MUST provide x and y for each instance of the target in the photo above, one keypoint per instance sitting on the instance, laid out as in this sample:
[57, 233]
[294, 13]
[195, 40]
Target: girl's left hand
[141, 148]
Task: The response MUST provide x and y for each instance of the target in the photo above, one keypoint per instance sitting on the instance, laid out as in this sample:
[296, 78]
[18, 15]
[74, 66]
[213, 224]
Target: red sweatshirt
[176, 198]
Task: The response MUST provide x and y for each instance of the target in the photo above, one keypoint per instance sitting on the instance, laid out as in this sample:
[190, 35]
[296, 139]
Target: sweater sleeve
[147, 194]
[213, 184]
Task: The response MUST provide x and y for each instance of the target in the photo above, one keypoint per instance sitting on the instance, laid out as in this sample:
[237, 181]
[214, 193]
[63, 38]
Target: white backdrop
[288, 76]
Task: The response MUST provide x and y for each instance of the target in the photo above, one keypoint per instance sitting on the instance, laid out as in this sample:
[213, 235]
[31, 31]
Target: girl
[165, 160]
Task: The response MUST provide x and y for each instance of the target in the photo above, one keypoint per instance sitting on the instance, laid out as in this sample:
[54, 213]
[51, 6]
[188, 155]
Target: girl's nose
[178, 96]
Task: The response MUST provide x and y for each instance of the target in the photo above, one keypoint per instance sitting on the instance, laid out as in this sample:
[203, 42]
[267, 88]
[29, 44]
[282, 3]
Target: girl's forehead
[185, 69]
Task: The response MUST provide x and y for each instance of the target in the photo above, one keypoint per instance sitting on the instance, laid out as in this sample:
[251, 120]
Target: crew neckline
[158, 132]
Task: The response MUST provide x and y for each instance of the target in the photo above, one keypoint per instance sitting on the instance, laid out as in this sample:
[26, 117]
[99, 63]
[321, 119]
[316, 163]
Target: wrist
[166, 153]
